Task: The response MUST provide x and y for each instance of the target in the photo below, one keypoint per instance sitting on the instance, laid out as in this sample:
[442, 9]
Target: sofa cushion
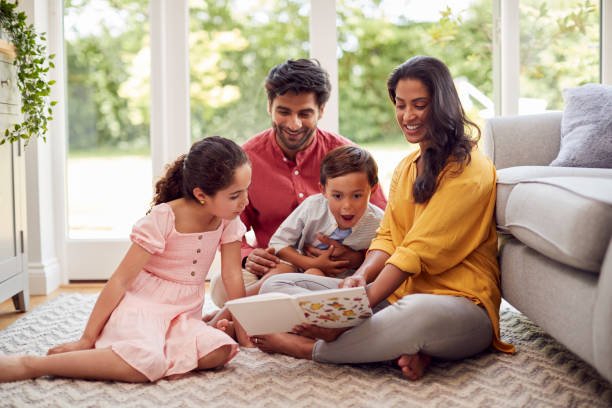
[509, 177]
[586, 127]
[568, 219]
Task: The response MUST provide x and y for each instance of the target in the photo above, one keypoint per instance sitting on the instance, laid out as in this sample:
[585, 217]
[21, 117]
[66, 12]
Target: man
[285, 162]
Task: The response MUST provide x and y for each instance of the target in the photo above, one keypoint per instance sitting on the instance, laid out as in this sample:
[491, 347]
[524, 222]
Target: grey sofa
[555, 227]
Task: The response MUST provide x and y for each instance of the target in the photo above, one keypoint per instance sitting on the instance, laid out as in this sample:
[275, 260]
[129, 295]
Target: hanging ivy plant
[32, 63]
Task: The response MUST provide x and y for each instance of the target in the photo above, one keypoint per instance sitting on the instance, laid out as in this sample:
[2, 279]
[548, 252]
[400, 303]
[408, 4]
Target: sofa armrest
[525, 140]
[602, 319]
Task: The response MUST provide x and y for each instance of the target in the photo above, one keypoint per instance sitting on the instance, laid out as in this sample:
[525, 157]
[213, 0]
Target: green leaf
[32, 64]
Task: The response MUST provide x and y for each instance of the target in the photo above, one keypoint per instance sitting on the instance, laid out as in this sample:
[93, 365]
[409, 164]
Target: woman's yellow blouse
[449, 243]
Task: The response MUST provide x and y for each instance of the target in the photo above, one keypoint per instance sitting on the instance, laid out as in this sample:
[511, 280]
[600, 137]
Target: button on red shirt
[279, 185]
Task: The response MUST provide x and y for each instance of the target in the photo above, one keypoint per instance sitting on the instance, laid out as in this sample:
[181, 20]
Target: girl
[431, 272]
[146, 323]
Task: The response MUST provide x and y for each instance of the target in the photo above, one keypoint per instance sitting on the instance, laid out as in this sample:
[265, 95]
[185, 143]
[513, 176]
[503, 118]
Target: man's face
[294, 119]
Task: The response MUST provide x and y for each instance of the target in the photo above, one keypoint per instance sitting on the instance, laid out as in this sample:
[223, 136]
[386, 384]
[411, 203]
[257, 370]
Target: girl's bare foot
[285, 343]
[316, 332]
[217, 316]
[14, 368]
[209, 316]
[413, 366]
[227, 326]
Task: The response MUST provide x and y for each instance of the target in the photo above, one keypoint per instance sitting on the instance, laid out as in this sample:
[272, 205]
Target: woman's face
[412, 102]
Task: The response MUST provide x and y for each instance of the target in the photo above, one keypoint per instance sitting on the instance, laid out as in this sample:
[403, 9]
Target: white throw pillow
[586, 127]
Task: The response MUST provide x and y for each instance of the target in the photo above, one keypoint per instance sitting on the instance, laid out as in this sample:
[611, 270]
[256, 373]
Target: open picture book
[279, 312]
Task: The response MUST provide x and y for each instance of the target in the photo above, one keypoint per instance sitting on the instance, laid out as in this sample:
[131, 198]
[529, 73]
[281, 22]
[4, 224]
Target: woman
[431, 272]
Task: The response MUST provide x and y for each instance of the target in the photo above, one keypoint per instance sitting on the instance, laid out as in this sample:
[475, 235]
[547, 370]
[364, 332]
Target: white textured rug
[542, 374]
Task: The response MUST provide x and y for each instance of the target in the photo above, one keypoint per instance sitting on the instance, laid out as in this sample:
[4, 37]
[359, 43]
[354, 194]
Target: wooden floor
[7, 311]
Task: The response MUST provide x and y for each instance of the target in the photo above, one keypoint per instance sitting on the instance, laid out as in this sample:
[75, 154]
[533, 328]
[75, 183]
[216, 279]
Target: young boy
[341, 212]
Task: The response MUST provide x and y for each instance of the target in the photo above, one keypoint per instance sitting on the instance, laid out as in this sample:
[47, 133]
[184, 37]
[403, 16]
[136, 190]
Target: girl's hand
[353, 282]
[81, 344]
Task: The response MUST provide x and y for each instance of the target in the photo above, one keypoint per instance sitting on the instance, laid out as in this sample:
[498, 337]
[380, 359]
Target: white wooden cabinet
[13, 258]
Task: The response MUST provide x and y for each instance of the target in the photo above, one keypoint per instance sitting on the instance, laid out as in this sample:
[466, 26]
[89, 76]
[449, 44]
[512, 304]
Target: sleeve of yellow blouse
[455, 221]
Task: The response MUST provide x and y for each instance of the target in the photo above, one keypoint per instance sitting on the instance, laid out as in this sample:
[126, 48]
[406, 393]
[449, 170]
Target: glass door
[109, 171]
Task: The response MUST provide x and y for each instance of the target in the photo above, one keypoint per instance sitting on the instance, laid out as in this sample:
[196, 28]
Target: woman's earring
[202, 202]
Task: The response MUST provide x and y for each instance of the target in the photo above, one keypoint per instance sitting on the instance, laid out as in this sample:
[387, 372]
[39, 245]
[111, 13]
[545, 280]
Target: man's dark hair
[299, 76]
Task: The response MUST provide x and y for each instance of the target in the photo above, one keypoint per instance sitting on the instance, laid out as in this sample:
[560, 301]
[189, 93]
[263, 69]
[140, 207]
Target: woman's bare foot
[285, 343]
[317, 332]
[14, 368]
[413, 366]
[227, 326]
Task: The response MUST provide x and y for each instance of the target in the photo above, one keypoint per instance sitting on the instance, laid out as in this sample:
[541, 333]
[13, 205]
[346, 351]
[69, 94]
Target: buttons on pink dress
[192, 273]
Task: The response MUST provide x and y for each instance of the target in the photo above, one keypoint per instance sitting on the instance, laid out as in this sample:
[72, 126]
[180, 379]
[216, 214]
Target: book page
[336, 307]
[266, 313]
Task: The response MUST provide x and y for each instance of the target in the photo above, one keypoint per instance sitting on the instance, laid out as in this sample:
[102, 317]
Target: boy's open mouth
[347, 217]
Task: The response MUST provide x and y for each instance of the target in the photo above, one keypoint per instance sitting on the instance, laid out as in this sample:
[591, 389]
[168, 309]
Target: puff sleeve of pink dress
[157, 327]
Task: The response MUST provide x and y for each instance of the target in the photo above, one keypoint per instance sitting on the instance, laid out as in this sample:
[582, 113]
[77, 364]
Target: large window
[109, 167]
[559, 49]
[374, 37]
[232, 46]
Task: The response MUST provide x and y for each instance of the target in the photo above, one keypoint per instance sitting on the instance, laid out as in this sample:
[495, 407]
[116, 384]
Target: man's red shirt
[279, 185]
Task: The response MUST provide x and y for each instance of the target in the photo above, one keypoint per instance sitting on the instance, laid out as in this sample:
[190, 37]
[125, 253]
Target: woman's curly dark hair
[209, 165]
[449, 129]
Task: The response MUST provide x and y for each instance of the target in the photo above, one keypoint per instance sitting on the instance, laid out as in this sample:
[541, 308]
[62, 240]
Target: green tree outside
[233, 45]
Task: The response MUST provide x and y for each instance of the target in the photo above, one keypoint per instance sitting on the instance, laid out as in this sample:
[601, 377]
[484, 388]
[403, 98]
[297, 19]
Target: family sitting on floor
[427, 257]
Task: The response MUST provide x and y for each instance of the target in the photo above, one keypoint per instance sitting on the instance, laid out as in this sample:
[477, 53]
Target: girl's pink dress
[157, 327]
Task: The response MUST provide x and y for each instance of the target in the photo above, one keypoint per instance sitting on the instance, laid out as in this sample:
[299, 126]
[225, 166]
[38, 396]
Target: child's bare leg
[315, 271]
[93, 364]
[215, 358]
[253, 289]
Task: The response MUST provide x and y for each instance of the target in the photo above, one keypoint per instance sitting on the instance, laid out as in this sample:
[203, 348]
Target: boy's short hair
[348, 159]
[299, 76]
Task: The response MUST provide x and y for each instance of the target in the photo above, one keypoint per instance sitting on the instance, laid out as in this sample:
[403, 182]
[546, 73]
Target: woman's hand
[81, 344]
[353, 282]
[260, 261]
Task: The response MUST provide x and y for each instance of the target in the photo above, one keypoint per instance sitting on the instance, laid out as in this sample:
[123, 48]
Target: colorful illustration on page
[337, 311]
